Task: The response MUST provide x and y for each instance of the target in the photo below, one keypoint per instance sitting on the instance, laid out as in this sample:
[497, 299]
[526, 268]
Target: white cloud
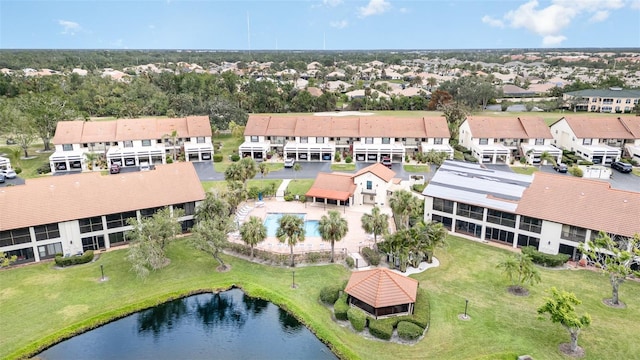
[553, 40]
[374, 7]
[599, 16]
[339, 24]
[69, 27]
[634, 4]
[403, 10]
[492, 22]
[331, 3]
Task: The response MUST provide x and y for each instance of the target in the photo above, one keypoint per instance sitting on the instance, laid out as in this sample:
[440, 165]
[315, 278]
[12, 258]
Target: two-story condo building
[130, 142]
[612, 100]
[553, 213]
[502, 140]
[600, 140]
[368, 139]
[89, 211]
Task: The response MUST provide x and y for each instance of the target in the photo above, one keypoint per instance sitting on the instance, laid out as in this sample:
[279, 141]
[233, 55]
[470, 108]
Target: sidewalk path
[281, 189]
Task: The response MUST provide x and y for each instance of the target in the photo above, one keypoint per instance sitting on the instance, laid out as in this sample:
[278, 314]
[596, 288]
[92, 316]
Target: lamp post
[293, 279]
[466, 304]
[102, 271]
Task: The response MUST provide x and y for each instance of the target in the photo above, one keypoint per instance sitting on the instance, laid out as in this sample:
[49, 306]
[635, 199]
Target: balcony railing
[573, 237]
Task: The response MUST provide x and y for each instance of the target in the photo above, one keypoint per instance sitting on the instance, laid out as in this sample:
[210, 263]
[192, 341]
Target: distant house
[381, 292]
[314, 91]
[516, 91]
[612, 100]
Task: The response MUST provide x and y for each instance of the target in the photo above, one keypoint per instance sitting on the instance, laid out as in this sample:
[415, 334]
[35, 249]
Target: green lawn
[229, 143]
[300, 186]
[42, 304]
[343, 167]
[417, 168]
[29, 166]
[524, 170]
[635, 171]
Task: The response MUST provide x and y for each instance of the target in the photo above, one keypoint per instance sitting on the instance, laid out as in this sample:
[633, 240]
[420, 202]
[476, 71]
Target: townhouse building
[601, 140]
[367, 139]
[611, 100]
[503, 140]
[89, 211]
[553, 213]
[130, 142]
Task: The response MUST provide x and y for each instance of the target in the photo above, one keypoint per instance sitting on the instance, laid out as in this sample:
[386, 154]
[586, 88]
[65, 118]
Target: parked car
[114, 169]
[289, 162]
[144, 166]
[621, 166]
[8, 173]
[561, 168]
[386, 161]
[1, 178]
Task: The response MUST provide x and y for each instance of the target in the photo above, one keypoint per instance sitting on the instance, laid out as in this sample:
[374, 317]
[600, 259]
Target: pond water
[227, 325]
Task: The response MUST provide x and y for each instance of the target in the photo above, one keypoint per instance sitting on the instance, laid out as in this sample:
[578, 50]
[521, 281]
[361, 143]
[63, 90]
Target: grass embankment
[41, 304]
[343, 167]
[416, 168]
[525, 170]
[300, 186]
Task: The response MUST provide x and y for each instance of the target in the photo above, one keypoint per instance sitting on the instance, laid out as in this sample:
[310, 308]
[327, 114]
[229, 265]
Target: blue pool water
[271, 222]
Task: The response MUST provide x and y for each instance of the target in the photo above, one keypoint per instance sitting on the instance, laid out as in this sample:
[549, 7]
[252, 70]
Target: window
[128, 143]
[586, 141]
[443, 205]
[200, 139]
[501, 218]
[46, 232]
[93, 243]
[304, 139]
[573, 233]
[437, 141]
[369, 184]
[386, 140]
[618, 101]
[90, 224]
[499, 235]
[24, 255]
[539, 141]
[368, 140]
[628, 101]
[468, 228]
[189, 208]
[254, 139]
[49, 251]
[484, 141]
[67, 147]
[16, 236]
[120, 219]
[606, 109]
[118, 237]
[149, 212]
[445, 221]
[146, 142]
[524, 240]
[319, 140]
[470, 211]
[159, 141]
[85, 145]
[530, 224]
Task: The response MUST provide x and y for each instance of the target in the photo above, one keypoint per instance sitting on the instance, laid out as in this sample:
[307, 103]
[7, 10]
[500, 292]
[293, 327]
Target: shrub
[470, 158]
[372, 256]
[217, 158]
[330, 293]
[74, 260]
[252, 192]
[409, 331]
[382, 328]
[340, 307]
[44, 169]
[18, 170]
[458, 155]
[314, 257]
[337, 156]
[289, 197]
[357, 318]
[575, 171]
[584, 162]
[348, 159]
[545, 259]
[350, 262]
[419, 187]
[235, 157]
[420, 315]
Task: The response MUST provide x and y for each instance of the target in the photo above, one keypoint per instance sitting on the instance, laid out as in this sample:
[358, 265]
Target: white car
[8, 173]
[288, 163]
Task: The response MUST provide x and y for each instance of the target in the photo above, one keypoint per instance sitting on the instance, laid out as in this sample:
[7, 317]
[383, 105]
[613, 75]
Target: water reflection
[228, 325]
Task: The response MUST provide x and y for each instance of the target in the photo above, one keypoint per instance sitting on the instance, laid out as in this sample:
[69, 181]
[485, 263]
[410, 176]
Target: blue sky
[318, 24]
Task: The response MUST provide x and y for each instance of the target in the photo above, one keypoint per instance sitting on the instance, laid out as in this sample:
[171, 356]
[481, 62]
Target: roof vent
[615, 88]
[624, 201]
[582, 193]
[546, 188]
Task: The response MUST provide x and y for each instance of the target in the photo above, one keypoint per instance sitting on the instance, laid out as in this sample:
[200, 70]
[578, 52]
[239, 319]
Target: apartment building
[611, 100]
[503, 140]
[367, 139]
[130, 142]
[89, 211]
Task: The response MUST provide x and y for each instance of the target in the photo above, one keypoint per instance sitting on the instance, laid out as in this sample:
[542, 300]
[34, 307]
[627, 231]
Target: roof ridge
[388, 273]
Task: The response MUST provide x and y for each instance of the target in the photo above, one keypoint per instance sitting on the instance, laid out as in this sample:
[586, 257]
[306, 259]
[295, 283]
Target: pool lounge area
[271, 221]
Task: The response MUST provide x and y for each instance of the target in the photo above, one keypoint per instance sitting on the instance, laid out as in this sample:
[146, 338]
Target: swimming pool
[271, 222]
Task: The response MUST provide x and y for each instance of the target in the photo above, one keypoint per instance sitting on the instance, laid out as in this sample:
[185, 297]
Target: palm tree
[427, 237]
[253, 232]
[263, 168]
[402, 204]
[91, 158]
[520, 270]
[546, 156]
[297, 167]
[291, 231]
[375, 223]
[333, 228]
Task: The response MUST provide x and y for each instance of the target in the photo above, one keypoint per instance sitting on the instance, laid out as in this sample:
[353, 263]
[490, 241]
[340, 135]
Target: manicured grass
[230, 145]
[42, 304]
[274, 166]
[29, 166]
[416, 168]
[635, 171]
[524, 170]
[221, 167]
[343, 167]
[300, 187]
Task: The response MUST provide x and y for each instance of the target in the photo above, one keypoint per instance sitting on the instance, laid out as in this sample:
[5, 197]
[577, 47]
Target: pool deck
[355, 239]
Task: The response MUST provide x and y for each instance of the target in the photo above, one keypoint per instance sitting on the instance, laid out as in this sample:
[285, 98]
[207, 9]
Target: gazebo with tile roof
[382, 292]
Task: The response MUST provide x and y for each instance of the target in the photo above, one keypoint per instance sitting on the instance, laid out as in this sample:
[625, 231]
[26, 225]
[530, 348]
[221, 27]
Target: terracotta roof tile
[382, 287]
[590, 204]
[96, 131]
[54, 199]
[68, 132]
[378, 170]
[509, 128]
[335, 186]
[604, 127]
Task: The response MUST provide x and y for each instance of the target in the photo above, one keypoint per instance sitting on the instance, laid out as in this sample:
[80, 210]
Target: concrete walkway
[281, 189]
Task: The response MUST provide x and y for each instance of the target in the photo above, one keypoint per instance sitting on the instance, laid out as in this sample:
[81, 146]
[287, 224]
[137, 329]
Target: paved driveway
[619, 180]
[15, 181]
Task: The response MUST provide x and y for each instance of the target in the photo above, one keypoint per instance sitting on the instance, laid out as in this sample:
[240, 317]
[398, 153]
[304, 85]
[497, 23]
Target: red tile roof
[589, 204]
[604, 127]
[508, 128]
[378, 170]
[381, 287]
[335, 186]
[54, 199]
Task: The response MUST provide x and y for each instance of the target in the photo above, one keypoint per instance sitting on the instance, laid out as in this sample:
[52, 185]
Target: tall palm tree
[291, 231]
[253, 232]
[91, 158]
[332, 228]
[375, 223]
[402, 204]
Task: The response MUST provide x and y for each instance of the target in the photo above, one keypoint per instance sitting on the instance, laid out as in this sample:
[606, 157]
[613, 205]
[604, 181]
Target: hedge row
[340, 307]
[409, 331]
[545, 259]
[372, 256]
[357, 318]
[382, 328]
[330, 294]
[74, 260]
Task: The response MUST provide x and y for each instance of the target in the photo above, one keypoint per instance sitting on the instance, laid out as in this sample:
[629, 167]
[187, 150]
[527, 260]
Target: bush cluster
[348, 159]
[409, 331]
[357, 318]
[44, 169]
[74, 260]
[575, 171]
[372, 256]
[545, 259]
[419, 187]
[584, 162]
[330, 294]
[382, 328]
[217, 158]
[350, 262]
[235, 157]
[289, 197]
[337, 156]
[340, 307]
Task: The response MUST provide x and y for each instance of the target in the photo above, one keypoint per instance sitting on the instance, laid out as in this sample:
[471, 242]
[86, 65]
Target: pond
[227, 325]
